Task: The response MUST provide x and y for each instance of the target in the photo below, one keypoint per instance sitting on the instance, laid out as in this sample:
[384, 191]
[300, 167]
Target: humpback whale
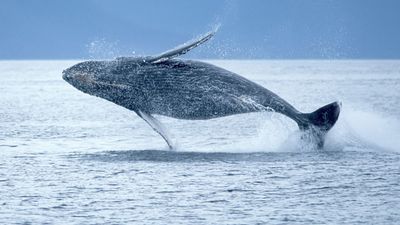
[187, 89]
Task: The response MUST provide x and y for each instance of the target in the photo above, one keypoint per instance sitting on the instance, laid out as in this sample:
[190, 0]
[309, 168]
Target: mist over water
[67, 157]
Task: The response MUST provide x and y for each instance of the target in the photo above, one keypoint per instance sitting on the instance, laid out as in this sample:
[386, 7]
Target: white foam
[371, 130]
[355, 130]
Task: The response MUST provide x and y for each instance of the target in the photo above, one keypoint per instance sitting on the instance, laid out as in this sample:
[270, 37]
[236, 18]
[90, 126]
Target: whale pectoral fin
[182, 49]
[157, 126]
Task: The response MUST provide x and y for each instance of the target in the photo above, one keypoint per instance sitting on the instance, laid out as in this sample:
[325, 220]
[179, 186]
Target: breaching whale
[187, 89]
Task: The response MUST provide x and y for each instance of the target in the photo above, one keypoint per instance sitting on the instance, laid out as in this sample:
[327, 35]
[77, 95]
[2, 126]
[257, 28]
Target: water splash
[277, 133]
[103, 49]
[368, 130]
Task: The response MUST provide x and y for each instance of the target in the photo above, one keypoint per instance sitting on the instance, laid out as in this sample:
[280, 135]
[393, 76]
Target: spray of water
[367, 130]
[277, 133]
[103, 49]
[355, 130]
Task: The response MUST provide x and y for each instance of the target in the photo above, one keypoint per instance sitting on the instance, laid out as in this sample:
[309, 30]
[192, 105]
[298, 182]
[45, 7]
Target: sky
[249, 29]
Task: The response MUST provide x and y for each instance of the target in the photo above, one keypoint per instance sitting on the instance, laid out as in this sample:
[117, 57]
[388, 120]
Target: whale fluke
[320, 121]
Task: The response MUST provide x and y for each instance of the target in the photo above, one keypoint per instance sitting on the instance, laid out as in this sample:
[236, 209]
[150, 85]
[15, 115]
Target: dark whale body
[186, 89]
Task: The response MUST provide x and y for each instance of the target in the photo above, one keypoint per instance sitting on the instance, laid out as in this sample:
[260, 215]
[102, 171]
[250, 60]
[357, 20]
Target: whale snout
[84, 71]
[76, 77]
[69, 75]
[77, 74]
[66, 75]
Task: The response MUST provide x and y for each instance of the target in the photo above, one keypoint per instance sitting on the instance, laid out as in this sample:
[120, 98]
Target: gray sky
[266, 29]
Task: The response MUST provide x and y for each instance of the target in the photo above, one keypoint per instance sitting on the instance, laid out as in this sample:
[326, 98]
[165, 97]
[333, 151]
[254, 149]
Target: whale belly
[202, 105]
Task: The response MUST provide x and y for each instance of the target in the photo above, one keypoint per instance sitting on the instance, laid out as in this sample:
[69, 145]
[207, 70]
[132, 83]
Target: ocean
[70, 158]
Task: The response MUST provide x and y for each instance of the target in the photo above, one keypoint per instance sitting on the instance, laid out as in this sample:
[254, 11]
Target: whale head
[85, 76]
[96, 78]
[105, 79]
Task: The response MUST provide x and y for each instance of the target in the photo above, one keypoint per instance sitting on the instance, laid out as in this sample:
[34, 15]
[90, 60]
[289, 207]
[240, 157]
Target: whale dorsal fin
[182, 49]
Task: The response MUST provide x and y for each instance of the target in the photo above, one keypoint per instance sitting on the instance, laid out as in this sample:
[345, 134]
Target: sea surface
[70, 158]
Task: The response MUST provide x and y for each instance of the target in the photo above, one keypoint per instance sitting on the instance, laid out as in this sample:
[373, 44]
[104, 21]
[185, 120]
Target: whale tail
[319, 122]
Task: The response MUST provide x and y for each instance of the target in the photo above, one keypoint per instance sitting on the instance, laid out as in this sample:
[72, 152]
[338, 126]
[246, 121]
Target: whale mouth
[70, 76]
[65, 75]
[78, 79]
[84, 81]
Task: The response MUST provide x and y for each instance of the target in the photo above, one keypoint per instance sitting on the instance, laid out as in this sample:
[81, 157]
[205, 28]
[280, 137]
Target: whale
[188, 89]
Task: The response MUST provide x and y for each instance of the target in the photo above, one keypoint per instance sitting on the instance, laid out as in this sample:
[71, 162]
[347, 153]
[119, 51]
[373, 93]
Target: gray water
[70, 158]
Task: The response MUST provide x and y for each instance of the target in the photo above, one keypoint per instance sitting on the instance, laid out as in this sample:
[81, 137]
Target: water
[70, 158]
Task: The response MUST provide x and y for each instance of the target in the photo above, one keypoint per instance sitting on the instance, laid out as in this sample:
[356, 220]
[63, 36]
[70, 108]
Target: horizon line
[213, 59]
